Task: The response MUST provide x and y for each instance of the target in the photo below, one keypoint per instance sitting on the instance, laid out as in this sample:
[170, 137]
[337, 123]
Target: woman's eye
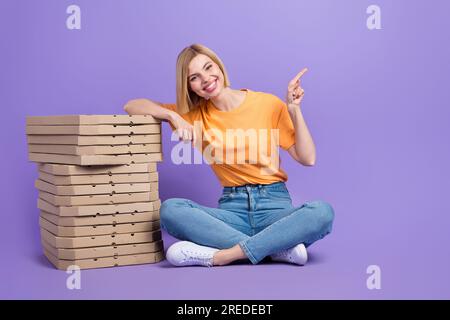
[208, 67]
[193, 78]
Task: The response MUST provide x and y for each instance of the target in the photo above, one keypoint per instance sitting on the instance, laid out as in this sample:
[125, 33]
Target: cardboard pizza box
[97, 241]
[97, 230]
[88, 160]
[84, 160]
[106, 219]
[104, 251]
[99, 178]
[116, 261]
[94, 140]
[90, 119]
[96, 130]
[94, 189]
[65, 169]
[98, 210]
[94, 150]
[141, 157]
[98, 199]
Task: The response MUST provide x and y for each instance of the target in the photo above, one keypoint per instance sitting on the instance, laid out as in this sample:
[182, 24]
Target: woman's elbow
[130, 106]
[127, 107]
[308, 162]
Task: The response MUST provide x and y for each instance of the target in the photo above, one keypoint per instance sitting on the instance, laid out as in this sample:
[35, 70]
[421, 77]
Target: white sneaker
[186, 253]
[297, 255]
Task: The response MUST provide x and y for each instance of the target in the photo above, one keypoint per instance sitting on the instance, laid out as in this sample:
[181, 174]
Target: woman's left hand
[295, 92]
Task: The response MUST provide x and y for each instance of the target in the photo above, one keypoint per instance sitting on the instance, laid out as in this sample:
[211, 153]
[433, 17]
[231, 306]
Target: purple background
[376, 103]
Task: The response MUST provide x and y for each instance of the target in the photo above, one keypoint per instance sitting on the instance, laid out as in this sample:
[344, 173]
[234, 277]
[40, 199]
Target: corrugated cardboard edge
[98, 230]
[64, 169]
[95, 150]
[94, 130]
[99, 241]
[95, 189]
[98, 199]
[104, 251]
[106, 219]
[116, 178]
[89, 119]
[91, 210]
[105, 140]
[95, 160]
[127, 260]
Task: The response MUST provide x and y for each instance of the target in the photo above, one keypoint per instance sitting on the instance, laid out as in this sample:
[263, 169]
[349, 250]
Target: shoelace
[198, 257]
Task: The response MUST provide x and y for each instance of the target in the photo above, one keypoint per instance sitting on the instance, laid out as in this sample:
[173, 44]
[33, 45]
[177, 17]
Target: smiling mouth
[211, 87]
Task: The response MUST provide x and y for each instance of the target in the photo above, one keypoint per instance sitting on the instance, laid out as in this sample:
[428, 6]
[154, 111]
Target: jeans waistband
[280, 185]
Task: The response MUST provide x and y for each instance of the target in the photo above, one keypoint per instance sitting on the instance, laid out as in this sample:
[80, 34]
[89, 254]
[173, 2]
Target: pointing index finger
[300, 74]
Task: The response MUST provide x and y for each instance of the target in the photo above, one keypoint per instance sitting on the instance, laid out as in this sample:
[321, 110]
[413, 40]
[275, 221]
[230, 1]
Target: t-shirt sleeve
[284, 125]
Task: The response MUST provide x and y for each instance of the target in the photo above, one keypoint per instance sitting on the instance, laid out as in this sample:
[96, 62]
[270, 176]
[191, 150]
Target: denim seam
[247, 252]
[260, 233]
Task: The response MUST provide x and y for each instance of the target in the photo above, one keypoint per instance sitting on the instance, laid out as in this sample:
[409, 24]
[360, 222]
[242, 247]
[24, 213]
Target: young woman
[255, 217]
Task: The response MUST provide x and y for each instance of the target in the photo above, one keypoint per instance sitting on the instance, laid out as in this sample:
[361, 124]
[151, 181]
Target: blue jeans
[260, 218]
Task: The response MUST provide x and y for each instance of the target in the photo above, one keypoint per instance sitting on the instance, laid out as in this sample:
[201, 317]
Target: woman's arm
[147, 106]
[304, 150]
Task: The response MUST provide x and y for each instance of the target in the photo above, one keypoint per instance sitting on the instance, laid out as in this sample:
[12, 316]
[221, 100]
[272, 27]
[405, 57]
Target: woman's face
[205, 77]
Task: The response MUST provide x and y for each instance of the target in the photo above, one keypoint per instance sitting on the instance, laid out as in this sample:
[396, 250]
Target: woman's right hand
[184, 129]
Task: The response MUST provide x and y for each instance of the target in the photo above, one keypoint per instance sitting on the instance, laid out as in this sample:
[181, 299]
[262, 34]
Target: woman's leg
[187, 220]
[212, 227]
[305, 224]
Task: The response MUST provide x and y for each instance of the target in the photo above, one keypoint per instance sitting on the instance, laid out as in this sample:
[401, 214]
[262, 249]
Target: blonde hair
[188, 100]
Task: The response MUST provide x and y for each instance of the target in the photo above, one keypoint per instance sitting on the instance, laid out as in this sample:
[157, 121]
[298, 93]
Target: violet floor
[332, 273]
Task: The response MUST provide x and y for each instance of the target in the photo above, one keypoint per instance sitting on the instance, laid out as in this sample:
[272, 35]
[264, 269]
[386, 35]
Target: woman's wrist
[172, 116]
[292, 107]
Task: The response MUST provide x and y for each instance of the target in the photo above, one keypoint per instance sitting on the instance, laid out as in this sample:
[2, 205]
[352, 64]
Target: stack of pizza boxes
[98, 188]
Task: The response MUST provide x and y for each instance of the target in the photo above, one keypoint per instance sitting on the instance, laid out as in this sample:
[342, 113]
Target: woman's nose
[205, 82]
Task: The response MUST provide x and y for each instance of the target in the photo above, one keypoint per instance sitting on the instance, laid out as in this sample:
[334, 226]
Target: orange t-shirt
[238, 143]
